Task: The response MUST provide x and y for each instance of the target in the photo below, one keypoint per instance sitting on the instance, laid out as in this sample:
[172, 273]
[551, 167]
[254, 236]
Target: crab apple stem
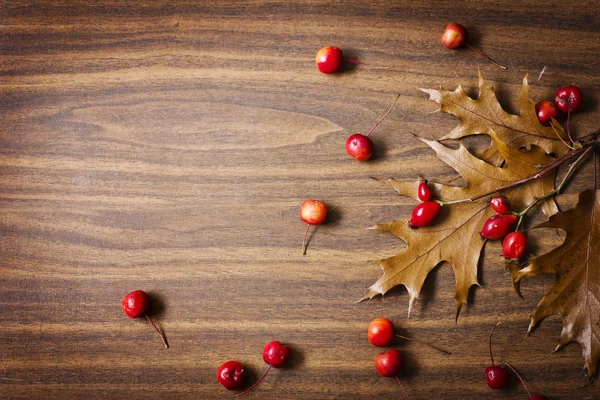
[304, 241]
[356, 62]
[382, 118]
[162, 337]
[518, 376]
[479, 53]
[569, 121]
[491, 333]
[256, 383]
[402, 386]
[561, 139]
[425, 343]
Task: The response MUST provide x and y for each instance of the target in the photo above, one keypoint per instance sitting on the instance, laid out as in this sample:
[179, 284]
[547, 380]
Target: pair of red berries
[232, 374]
[137, 304]
[567, 99]
[500, 226]
[425, 213]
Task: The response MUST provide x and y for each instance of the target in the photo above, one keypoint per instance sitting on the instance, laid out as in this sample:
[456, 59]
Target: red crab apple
[455, 36]
[330, 59]
[136, 304]
[313, 212]
[389, 364]
[275, 354]
[496, 375]
[231, 375]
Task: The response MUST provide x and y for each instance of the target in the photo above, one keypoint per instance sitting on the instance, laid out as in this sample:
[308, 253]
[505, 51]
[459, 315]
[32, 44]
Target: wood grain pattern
[167, 145]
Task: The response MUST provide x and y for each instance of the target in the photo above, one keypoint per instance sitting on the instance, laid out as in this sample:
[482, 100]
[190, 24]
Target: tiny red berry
[390, 363]
[424, 192]
[330, 60]
[359, 146]
[514, 246]
[313, 212]
[381, 332]
[231, 375]
[500, 204]
[497, 377]
[546, 110]
[498, 226]
[276, 354]
[454, 36]
[424, 214]
[568, 98]
[136, 304]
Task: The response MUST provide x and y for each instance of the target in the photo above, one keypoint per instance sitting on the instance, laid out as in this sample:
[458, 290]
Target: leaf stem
[425, 343]
[382, 118]
[518, 376]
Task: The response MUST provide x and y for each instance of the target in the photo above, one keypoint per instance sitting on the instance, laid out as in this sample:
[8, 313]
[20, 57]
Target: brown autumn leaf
[575, 295]
[484, 114]
[454, 237]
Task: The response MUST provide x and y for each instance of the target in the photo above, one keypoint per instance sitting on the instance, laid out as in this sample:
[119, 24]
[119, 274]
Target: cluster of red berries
[567, 99]
[425, 213]
[232, 374]
[501, 226]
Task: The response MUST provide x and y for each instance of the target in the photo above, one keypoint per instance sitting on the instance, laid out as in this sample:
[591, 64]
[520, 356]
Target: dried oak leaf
[575, 295]
[484, 114]
[454, 237]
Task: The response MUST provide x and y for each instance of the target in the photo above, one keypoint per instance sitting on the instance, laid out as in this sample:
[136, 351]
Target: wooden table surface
[167, 146]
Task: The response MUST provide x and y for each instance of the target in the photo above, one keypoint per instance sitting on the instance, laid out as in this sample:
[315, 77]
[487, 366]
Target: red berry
[424, 192]
[136, 304]
[498, 226]
[514, 246]
[330, 60]
[389, 363]
[231, 375]
[276, 354]
[545, 110]
[500, 204]
[359, 146]
[424, 214]
[497, 377]
[568, 98]
[313, 212]
[454, 36]
[381, 332]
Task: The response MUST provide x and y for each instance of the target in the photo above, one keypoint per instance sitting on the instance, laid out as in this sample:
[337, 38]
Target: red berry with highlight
[136, 304]
[568, 98]
[313, 212]
[330, 60]
[276, 354]
[381, 332]
[454, 36]
[231, 375]
[514, 246]
[498, 226]
[497, 377]
[424, 192]
[359, 147]
[424, 214]
[500, 204]
[546, 110]
[390, 363]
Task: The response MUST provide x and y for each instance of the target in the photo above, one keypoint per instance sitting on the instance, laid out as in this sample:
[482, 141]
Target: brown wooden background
[167, 145]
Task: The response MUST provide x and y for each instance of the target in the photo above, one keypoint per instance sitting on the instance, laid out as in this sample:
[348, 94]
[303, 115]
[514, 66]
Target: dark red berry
[454, 36]
[545, 110]
[539, 397]
[276, 354]
[497, 377]
[424, 214]
[231, 375]
[568, 98]
[514, 246]
[359, 146]
[498, 226]
[136, 304]
[330, 59]
[424, 192]
[390, 363]
[381, 332]
[500, 204]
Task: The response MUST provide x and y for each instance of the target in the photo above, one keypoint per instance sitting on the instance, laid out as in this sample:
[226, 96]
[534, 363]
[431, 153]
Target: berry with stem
[137, 304]
[568, 99]
[455, 36]
[514, 246]
[231, 375]
[538, 397]
[313, 212]
[496, 375]
[275, 354]
[381, 334]
[423, 191]
[389, 364]
[330, 59]
[498, 226]
[424, 214]
[546, 110]
[359, 146]
[500, 204]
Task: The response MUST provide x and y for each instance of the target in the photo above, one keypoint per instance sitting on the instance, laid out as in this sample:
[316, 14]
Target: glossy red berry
[330, 60]
[381, 332]
[568, 98]
[276, 354]
[424, 192]
[390, 363]
[136, 304]
[231, 375]
[498, 226]
[545, 110]
[514, 246]
[359, 146]
[313, 212]
[424, 214]
[454, 36]
[497, 377]
[500, 204]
